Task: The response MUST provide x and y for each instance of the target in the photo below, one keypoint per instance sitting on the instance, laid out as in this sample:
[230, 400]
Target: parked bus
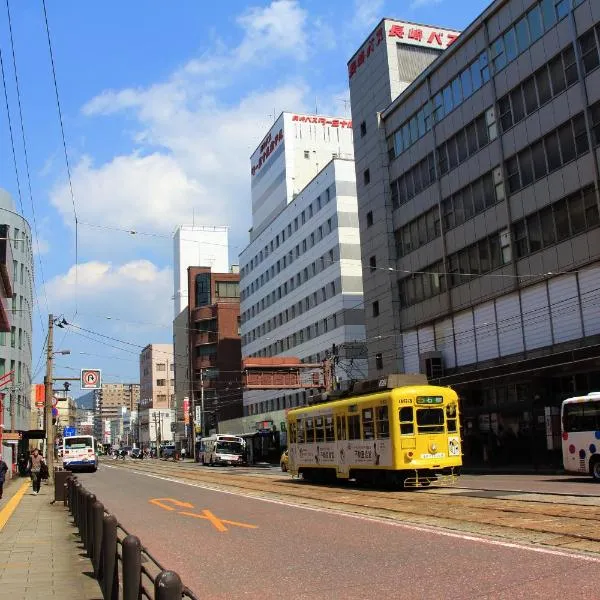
[220, 449]
[396, 431]
[581, 435]
[79, 452]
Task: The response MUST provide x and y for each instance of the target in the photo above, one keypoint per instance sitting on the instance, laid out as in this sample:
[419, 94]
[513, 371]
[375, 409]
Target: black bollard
[65, 494]
[89, 524]
[132, 567]
[98, 515]
[167, 586]
[83, 517]
[110, 573]
[76, 491]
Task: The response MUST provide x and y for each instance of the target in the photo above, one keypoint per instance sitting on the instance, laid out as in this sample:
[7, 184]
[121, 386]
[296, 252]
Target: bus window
[582, 416]
[319, 431]
[300, 430]
[354, 427]
[451, 418]
[406, 420]
[341, 428]
[382, 422]
[329, 436]
[430, 420]
[310, 431]
[367, 415]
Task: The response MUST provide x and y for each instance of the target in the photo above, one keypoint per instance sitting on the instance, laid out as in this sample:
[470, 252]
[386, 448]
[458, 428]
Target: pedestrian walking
[3, 471]
[36, 460]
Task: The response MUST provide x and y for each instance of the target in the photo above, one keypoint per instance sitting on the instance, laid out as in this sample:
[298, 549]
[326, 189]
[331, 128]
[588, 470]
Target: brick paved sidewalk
[41, 556]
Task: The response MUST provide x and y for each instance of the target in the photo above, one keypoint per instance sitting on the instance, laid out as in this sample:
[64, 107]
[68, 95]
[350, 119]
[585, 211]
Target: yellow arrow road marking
[218, 524]
[161, 502]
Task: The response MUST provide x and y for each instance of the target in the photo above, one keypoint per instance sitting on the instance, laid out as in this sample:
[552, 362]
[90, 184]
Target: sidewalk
[41, 556]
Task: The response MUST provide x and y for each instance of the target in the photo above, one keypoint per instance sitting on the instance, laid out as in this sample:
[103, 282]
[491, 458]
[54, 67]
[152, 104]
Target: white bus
[220, 449]
[581, 435]
[79, 452]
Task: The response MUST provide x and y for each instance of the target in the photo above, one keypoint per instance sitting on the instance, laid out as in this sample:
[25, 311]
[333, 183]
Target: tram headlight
[409, 456]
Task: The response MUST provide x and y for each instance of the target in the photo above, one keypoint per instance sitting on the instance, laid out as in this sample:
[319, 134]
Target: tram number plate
[438, 455]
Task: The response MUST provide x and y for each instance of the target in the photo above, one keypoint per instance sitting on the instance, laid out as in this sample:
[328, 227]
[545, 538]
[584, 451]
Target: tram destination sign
[430, 400]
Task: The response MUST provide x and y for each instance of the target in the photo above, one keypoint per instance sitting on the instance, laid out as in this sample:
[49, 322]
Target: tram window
[300, 429]
[341, 428]
[292, 433]
[310, 431]
[367, 416]
[319, 431]
[329, 437]
[430, 420]
[383, 423]
[354, 427]
[406, 420]
[451, 418]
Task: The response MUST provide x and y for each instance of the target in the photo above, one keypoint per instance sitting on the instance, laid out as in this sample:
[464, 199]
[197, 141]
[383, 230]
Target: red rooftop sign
[403, 33]
[323, 121]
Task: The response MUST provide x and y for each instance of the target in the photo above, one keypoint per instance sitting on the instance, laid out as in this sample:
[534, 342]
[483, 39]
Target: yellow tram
[397, 430]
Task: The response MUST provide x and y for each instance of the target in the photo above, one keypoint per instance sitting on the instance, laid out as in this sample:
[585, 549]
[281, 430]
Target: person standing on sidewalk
[36, 460]
[3, 471]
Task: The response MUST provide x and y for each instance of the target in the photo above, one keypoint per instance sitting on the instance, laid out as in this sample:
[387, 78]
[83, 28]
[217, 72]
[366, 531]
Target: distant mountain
[86, 401]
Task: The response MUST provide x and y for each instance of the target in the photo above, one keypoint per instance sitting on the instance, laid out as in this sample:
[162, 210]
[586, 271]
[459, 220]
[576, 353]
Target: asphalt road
[252, 548]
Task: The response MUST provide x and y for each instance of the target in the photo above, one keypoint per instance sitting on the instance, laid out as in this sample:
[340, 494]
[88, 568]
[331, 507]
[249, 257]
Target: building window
[13, 337]
[370, 218]
[363, 129]
[379, 361]
[161, 382]
[202, 289]
[307, 154]
[373, 263]
[376, 308]
[161, 367]
[228, 289]
[367, 176]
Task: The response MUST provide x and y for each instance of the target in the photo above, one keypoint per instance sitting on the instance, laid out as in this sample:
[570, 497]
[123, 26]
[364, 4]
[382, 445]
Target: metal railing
[124, 569]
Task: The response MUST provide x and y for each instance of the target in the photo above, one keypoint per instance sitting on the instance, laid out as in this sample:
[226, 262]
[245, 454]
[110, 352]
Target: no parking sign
[91, 379]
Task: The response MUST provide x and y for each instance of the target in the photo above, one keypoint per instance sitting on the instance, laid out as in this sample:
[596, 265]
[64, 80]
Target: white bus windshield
[76, 443]
[229, 447]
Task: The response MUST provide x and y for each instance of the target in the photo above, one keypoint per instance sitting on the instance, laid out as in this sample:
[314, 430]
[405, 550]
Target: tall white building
[197, 246]
[301, 275]
[296, 148]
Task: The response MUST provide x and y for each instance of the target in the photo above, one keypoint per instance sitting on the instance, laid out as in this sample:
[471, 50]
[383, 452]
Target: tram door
[342, 460]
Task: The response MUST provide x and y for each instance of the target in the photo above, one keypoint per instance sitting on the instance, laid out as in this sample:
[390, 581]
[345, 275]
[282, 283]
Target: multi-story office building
[181, 358]
[16, 267]
[196, 245]
[157, 376]
[109, 402]
[301, 275]
[484, 214]
[215, 359]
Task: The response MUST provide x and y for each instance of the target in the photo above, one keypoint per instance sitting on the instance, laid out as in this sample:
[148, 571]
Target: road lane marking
[381, 520]
[161, 502]
[12, 504]
[216, 522]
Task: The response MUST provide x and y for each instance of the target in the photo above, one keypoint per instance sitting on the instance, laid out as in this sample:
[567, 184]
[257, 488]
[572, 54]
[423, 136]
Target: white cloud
[137, 291]
[416, 4]
[40, 246]
[192, 147]
[367, 14]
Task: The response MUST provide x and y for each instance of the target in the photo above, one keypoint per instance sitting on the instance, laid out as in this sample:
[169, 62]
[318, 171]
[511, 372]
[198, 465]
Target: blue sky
[162, 104]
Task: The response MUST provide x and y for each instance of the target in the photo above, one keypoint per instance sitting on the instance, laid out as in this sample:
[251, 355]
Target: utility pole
[48, 400]
[202, 416]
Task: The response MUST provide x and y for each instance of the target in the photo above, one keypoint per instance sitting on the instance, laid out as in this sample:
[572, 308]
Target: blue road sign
[68, 431]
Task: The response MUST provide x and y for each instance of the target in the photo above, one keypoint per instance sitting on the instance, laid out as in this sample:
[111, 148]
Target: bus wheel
[595, 468]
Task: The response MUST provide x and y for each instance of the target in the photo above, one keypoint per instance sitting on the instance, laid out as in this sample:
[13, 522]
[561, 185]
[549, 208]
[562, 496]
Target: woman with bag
[36, 460]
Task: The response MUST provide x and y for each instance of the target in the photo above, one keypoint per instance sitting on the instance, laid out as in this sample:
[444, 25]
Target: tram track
[572, 526]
